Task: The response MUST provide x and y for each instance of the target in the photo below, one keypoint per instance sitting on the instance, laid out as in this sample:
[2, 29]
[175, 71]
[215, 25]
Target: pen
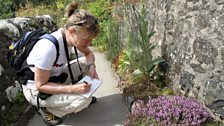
[85, 82]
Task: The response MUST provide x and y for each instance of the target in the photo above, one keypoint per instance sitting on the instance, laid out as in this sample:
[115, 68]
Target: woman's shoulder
[57, 34]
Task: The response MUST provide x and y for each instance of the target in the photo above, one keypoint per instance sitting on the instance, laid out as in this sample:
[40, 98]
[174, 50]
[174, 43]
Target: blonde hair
[81, 20]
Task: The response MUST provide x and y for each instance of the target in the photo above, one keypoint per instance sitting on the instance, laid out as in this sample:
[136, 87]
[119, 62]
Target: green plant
[20, 99]
[9, 7]
[32, 8]
[101, 9]
[147, 63]
[123, 61]
[139, 46]
[6, 9]
[113, 44]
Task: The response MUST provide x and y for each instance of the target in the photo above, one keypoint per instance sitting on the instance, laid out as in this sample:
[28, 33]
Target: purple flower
[162, 111]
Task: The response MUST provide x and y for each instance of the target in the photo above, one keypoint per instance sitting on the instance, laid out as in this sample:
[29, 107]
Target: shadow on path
[107, 111]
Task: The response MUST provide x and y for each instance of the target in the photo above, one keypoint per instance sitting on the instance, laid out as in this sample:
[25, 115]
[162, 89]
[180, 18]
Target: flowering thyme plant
[164, 111]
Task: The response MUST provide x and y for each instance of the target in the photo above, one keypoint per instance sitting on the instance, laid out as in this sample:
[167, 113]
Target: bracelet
[91, 65]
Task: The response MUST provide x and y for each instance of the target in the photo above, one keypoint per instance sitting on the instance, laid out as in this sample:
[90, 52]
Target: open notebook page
[95, 84]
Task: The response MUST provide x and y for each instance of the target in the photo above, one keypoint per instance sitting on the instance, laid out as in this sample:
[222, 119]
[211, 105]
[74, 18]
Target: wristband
[91, 65]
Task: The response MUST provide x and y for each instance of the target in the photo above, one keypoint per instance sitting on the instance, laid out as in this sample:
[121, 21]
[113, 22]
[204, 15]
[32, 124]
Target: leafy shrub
[102, 10]
[113, 44]
[164, 111]
[139, 46]
[29, 11]
[9, 7]
[5, 9]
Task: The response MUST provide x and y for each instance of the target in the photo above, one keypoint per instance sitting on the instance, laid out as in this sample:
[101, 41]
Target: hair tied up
[72, 8]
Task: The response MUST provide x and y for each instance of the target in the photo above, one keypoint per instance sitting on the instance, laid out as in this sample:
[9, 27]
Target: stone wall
[190, 36]
[11, 29]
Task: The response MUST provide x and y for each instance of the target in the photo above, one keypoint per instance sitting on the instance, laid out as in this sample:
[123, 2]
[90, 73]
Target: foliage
[113, 44]
[145, 48]
[58, 16]
[140, 49]
[5, 9]
[176, 110]
[16, 109]
[124, 61]
[9, 7]
[55, 8]
[214, 123]
[101, 9]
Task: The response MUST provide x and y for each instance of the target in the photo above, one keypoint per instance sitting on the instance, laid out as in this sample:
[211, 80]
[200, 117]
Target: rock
[10, 30]
[12, 91]
[189, 35]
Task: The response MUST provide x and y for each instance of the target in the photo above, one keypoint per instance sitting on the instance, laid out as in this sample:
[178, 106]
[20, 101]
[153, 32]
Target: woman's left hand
[92, 72]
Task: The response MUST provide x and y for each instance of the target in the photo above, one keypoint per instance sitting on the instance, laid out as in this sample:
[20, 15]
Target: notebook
[95, 84]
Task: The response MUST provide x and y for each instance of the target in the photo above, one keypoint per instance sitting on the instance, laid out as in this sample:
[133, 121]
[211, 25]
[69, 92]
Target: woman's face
[81, 39]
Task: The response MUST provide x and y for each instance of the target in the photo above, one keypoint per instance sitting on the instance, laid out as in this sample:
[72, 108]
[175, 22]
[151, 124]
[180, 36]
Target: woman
[81, 27]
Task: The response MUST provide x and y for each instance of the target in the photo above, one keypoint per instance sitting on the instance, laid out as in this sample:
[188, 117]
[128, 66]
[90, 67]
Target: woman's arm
[42, 84]
[90, 60]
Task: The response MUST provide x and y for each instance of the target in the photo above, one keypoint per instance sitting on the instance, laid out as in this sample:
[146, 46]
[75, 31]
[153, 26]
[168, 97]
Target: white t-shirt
[43, 56]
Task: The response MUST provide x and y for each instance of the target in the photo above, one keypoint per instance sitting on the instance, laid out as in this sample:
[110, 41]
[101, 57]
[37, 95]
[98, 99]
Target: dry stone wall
[12, 29]
[190, 36]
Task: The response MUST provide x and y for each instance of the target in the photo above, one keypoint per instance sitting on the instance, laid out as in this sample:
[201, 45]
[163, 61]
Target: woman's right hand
[81, 88]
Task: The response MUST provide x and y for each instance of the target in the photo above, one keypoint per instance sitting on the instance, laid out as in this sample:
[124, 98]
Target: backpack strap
[25, 73]
[54, 41]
